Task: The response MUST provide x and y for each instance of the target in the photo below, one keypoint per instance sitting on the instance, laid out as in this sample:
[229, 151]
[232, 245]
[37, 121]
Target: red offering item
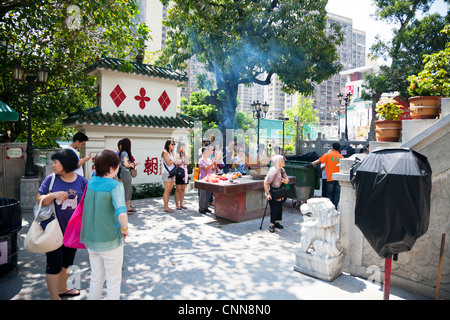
[214, 178]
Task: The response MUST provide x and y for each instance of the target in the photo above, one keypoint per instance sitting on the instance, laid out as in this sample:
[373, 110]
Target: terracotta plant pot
[388, 130]
[426, 107]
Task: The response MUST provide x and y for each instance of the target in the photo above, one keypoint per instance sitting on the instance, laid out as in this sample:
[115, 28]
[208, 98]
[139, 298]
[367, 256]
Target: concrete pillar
[445, 107]
[28, 191]
[350, 236]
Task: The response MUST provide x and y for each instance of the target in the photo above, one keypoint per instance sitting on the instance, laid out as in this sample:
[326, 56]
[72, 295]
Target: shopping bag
[72, 234]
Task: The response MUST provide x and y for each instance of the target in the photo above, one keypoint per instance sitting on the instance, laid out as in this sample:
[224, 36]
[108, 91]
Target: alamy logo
[375, 272]
[74, 279]
[73, 20]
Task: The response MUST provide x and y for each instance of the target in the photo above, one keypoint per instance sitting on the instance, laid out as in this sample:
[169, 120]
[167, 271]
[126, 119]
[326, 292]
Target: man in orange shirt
[331, 161]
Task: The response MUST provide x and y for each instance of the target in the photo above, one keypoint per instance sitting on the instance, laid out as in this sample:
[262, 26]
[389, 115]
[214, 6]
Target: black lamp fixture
[30, 77]
[259, 111]
[346, 100]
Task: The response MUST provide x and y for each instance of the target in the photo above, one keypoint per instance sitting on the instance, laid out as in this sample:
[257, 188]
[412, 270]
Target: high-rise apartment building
[152, 13]
[352, 54]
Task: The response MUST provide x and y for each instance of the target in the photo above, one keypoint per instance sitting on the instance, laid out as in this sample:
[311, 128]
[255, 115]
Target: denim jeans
[334, 192]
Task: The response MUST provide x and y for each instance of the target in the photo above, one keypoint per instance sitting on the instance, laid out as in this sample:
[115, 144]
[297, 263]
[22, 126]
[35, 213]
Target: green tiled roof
[94, 116]
[7, 114]
[137, 68]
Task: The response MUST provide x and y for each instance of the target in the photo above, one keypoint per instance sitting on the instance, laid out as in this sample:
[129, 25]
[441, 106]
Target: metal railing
[322, 146]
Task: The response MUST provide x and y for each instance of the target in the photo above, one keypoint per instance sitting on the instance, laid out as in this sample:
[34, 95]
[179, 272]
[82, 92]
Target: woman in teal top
[105, 226]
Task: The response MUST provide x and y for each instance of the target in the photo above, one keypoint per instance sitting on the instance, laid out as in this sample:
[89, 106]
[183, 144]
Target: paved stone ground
[189, 256]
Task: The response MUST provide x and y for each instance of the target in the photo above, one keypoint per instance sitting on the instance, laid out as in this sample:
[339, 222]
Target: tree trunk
[375, 98]
[229, 107]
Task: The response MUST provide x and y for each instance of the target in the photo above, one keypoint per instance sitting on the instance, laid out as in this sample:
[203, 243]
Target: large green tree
[303, 111]
[198, 107]
[247, 41]
[412, 38]
[64, 37]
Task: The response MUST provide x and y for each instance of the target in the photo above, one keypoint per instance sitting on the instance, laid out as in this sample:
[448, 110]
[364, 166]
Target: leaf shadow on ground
[185, 255]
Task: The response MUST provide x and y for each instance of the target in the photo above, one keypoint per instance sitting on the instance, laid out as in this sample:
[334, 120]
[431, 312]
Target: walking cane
[260, 227]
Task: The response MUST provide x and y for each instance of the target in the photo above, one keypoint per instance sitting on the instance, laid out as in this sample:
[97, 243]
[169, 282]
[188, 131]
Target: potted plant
[389, 125]
[425, 101]
[429, 85]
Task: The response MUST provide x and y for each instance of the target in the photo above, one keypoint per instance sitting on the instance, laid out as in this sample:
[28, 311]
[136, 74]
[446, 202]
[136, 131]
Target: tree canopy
[413, 38]
[246, 42]
[63, 37]
[198, 107]
[305, 113]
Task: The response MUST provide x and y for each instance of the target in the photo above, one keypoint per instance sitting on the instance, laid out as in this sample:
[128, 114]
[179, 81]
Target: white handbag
[39, 240]
[42, 213]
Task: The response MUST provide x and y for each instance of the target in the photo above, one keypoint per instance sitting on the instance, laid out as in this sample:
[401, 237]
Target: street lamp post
[283, 120]
[259, 111]
[346, 100]
[30, 77]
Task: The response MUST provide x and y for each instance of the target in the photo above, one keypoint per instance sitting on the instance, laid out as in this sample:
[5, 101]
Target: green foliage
[244, 121]
[412, 38]
[203, 83]
[148, 190]
[198, 108]
[434, 79]
[411, 41]
[306, 114]
[388, 109]
[210, 115]
[64, 40]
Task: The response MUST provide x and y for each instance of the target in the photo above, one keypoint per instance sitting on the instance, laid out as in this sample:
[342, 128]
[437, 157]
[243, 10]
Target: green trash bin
[304, 176]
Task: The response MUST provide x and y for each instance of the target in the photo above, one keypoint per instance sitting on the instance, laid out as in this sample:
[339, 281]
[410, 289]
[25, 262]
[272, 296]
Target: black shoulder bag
[175, 172]
[278, 193]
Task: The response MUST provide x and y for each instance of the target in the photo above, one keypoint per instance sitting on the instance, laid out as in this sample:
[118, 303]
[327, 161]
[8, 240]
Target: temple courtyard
[186, 255]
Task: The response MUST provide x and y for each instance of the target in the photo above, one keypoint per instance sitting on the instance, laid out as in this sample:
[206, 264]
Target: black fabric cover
[393, 188]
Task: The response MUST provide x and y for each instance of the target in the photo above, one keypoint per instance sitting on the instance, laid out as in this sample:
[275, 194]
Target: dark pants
[276, 210]
[324, 188]
[60, 258]
[203, 200]
[334, 192]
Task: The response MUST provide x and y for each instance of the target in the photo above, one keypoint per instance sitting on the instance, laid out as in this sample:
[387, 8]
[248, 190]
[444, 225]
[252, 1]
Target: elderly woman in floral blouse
[275, 177]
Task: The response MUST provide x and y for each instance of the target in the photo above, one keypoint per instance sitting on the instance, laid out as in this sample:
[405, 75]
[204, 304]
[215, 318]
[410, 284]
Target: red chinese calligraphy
[151, 166]
[93, 163]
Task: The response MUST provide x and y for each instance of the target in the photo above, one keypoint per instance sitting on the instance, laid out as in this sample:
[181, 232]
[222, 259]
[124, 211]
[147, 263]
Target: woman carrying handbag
[127, 164]
[275, 192]
[181, 182]
[66, 193]
[104, 226]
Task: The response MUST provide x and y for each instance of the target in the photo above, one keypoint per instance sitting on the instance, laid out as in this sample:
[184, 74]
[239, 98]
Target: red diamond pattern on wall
[118, 95]
[164, 100]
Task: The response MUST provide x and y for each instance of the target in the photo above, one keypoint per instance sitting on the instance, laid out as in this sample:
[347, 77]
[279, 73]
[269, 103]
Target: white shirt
[79, 170]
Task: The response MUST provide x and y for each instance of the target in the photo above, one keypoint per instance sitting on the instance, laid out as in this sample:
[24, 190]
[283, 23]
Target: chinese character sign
[151, 166]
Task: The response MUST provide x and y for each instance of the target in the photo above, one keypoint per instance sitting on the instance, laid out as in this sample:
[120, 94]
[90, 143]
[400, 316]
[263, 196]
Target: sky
[360, 12]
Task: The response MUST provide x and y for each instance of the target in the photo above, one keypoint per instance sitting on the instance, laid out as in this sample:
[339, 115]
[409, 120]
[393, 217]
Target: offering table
[240, 200]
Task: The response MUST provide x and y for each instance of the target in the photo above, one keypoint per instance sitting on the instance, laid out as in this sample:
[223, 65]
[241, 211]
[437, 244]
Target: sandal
[70, 293]
[183, 207]
[178, 208]
[168, 210]
[131, 211]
